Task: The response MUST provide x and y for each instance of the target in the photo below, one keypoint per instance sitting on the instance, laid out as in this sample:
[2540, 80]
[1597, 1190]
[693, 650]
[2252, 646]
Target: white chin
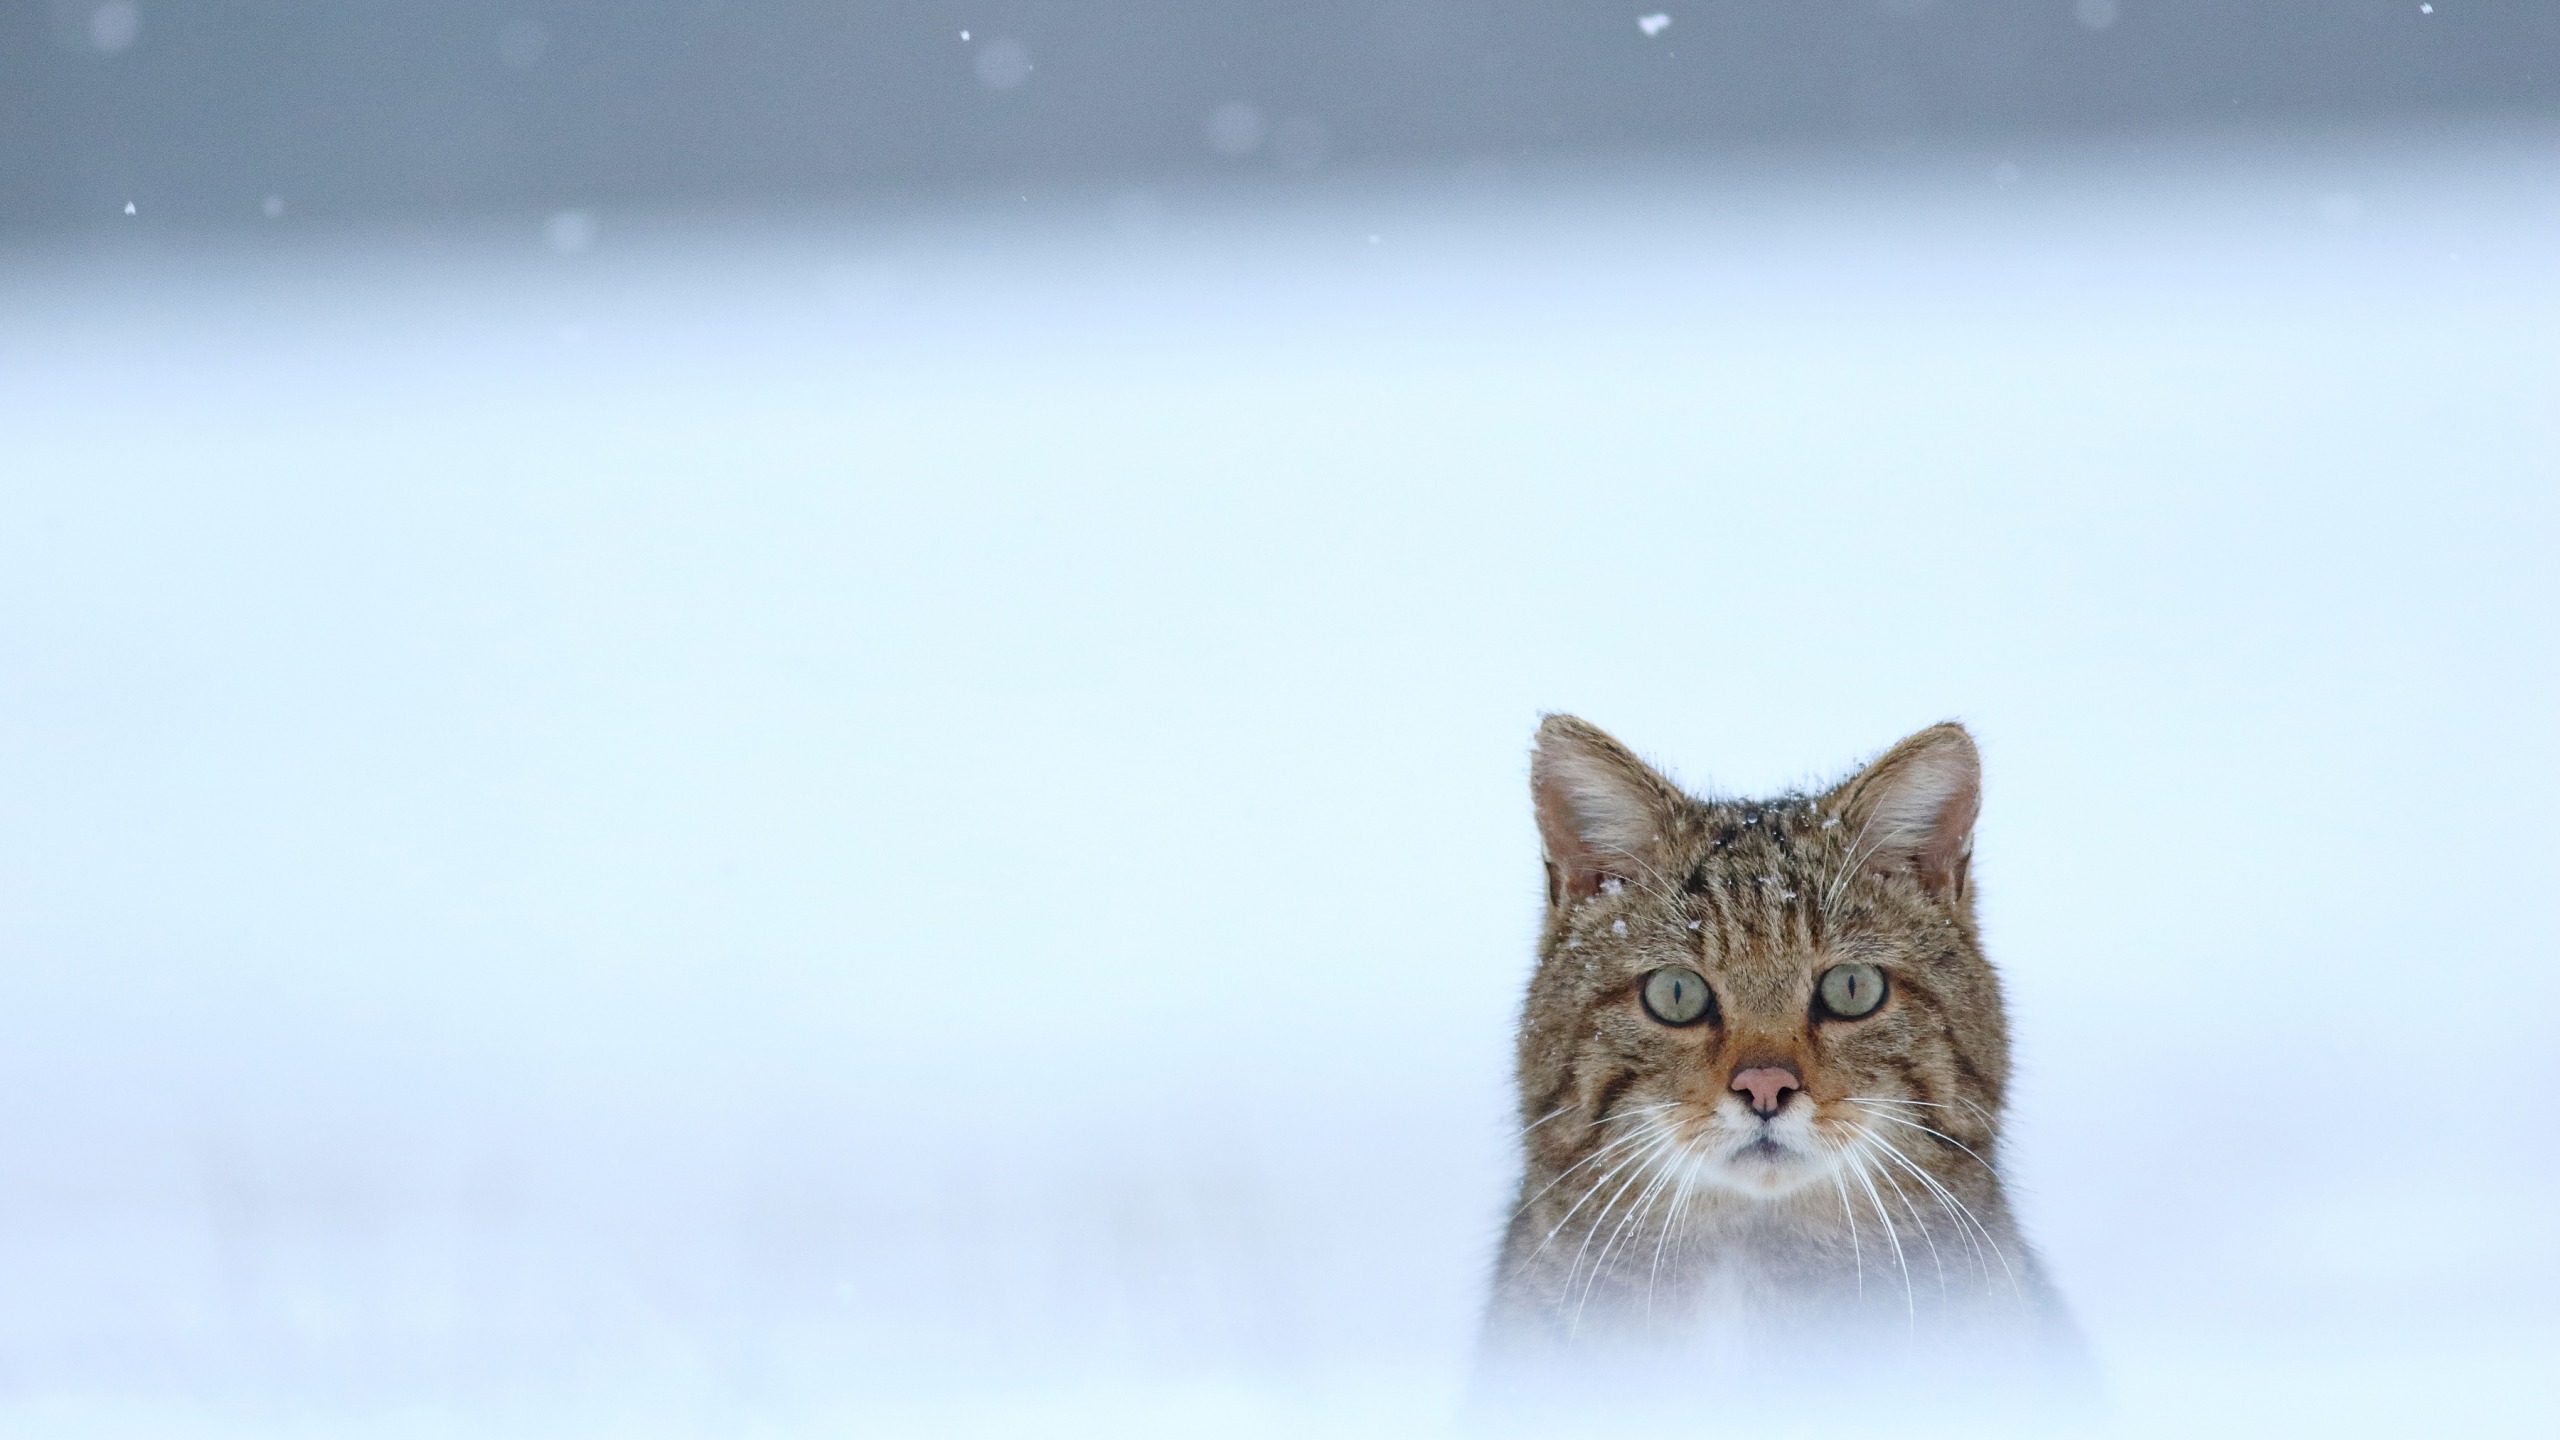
[1768, 1170]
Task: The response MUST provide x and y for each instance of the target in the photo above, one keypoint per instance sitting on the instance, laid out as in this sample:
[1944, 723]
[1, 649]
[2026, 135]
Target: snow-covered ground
[912, 823]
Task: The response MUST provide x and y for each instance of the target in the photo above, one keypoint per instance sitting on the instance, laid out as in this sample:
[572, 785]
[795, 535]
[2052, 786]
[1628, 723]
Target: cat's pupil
[1849, 991]
[1676, 996]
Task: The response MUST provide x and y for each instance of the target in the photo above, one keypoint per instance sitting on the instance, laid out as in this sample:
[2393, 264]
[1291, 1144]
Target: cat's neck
[1714, 1260]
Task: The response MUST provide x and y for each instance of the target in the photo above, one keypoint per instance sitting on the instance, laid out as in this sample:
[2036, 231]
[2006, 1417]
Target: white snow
[484, 818]
[1003, 64]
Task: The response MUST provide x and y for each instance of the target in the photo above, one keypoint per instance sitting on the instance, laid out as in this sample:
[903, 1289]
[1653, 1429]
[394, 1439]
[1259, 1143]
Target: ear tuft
[1601, 811]
[1913, 809]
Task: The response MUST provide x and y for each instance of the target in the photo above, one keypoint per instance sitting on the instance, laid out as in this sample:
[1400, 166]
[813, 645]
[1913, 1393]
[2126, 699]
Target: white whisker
[1671, 1223]
[1612, 1173]
[1925, 1237]
[1643, 1206]
[1631, 1137]
[1856, 1257]
[1639, 1166]
[1949, 1197]
[1543, 1119]
[1938, 1192]
[1950, 1139]
[1910, 1305]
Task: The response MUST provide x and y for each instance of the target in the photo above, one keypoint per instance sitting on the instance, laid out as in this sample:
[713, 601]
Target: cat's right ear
[1601, 811]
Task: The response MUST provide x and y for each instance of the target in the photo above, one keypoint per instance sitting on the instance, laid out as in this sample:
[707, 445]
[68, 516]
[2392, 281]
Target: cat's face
[1756, 997]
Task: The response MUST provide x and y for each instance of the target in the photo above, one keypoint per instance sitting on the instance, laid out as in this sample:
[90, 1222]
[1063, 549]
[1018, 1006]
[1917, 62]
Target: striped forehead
[1754, 888]
[1773, 847]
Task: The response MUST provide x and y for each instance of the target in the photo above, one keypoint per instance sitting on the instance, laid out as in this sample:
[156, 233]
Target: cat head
[1759, 994]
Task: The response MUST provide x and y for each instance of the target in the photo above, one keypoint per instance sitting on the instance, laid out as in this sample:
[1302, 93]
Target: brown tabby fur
[1646, 1214]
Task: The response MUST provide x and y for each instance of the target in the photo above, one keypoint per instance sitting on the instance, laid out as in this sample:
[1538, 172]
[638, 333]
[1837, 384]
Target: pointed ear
[1913, 810]
[1601, 811]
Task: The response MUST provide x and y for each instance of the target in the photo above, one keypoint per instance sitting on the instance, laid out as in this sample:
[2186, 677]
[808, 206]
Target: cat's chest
[1744, 1284]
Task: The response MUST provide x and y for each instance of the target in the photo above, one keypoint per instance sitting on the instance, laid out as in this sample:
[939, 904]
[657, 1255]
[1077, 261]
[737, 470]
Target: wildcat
[1761, 1068]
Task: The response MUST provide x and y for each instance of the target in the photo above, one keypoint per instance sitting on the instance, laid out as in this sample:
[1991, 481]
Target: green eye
[1851, 990]
[1678, 996]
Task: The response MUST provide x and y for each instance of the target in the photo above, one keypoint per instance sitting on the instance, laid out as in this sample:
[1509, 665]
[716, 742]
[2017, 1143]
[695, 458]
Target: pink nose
[1767, 1085]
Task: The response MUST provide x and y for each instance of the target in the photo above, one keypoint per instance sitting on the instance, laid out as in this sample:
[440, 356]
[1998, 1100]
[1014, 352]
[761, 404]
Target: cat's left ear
[1913, 809]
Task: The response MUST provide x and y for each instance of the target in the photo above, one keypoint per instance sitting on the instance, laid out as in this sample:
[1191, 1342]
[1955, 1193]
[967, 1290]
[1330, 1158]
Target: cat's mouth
[1770, 1157]
[1768, 1164]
